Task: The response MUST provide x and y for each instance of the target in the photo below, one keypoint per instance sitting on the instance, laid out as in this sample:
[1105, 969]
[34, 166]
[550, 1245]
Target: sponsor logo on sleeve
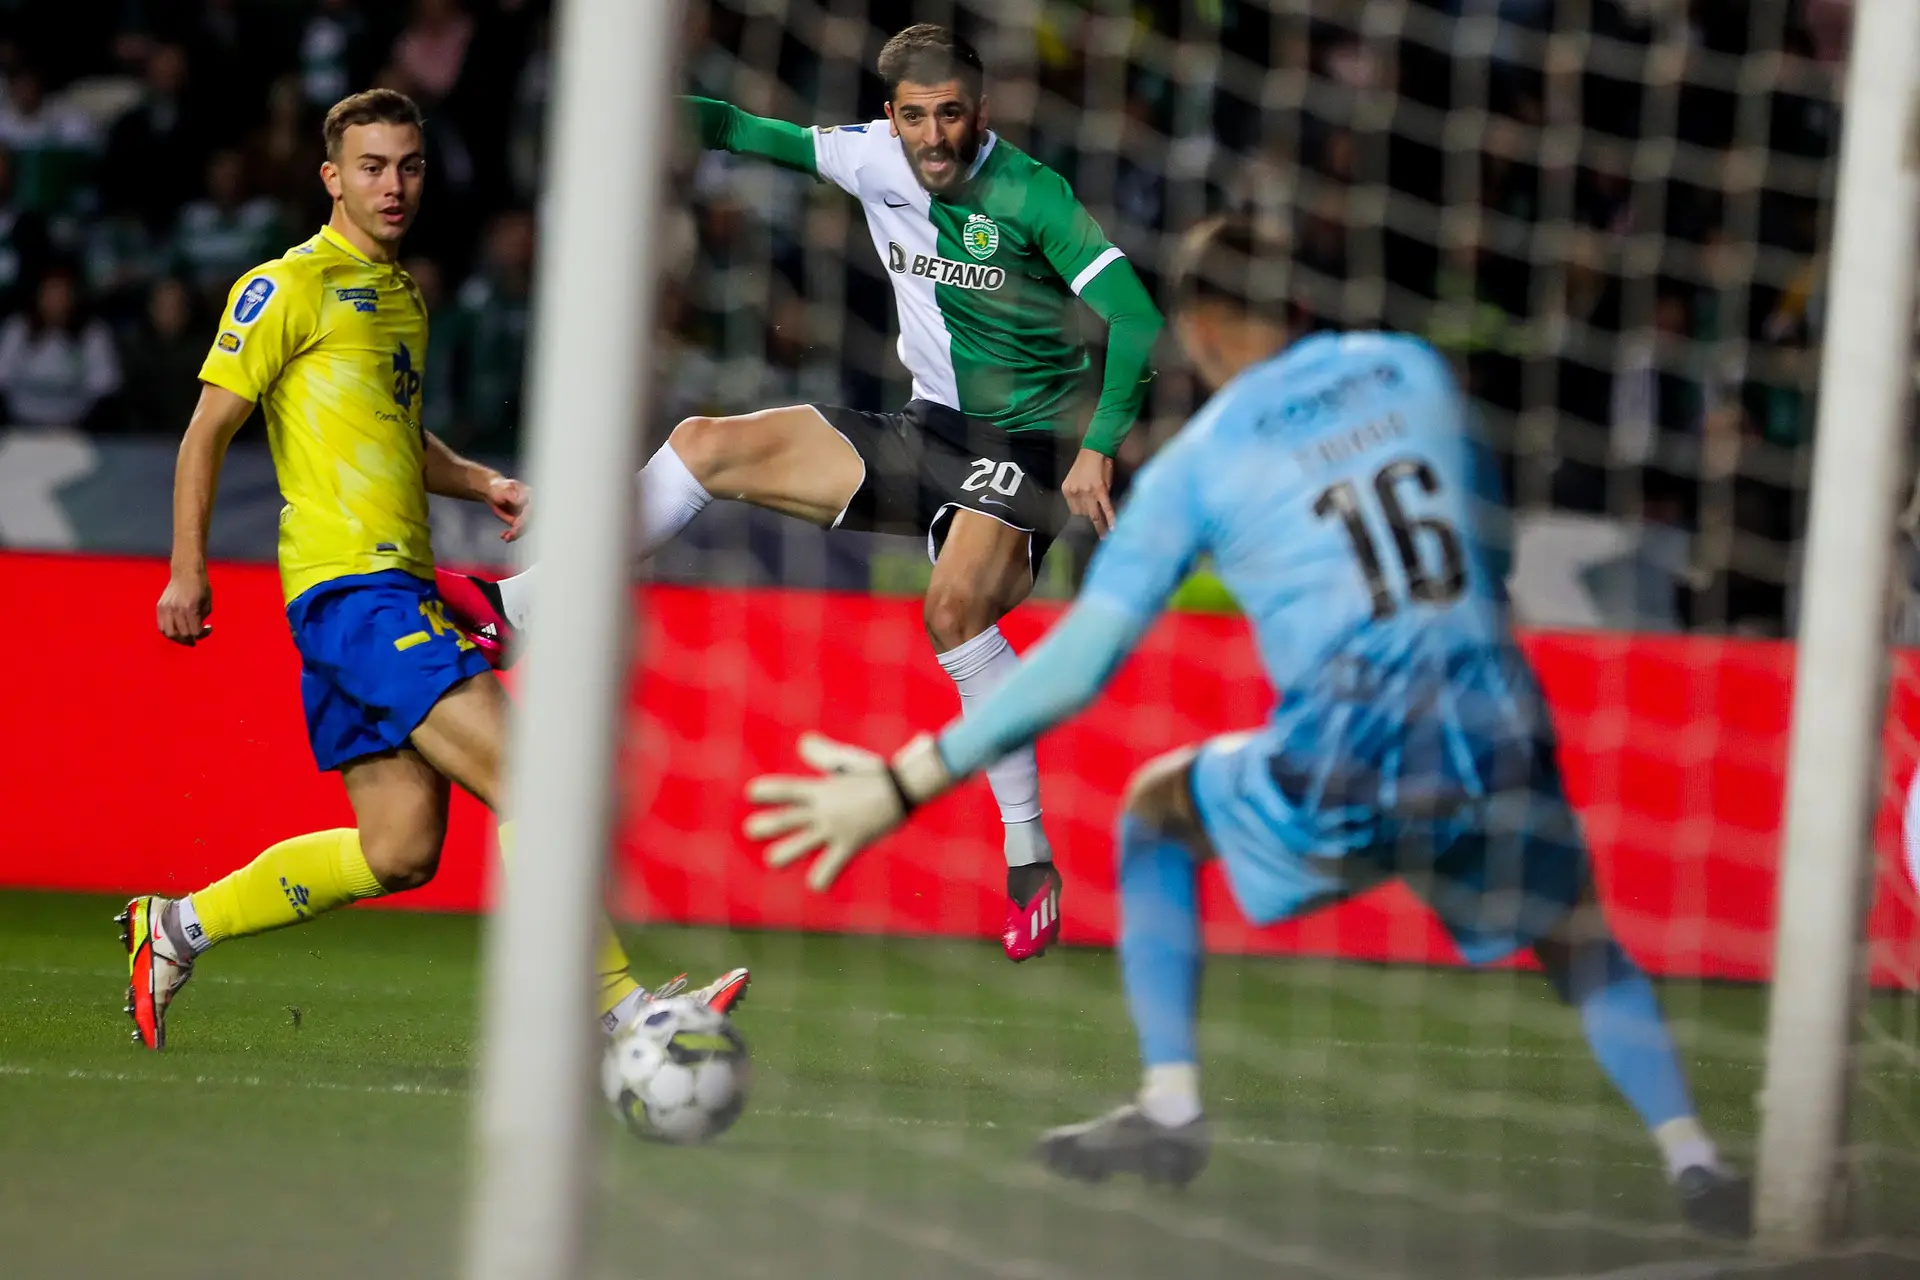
[958, 275]
[843, 128]
[980, 236]
[252, 300]
[229, 342]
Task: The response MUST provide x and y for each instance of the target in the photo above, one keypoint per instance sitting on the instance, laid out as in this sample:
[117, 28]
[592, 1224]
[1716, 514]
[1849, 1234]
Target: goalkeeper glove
[856, 798]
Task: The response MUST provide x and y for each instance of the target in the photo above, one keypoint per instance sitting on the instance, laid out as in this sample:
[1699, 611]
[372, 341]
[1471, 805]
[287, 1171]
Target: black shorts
[927, 461]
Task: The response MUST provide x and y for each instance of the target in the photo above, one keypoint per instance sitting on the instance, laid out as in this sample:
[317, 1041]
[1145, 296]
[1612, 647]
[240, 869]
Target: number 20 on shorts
[1002, 477]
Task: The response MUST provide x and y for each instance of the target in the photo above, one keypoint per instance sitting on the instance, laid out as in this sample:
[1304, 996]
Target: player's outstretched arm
[721, 126]
[452, 476]
[1055, 682]
[188, 600]
[858, 796]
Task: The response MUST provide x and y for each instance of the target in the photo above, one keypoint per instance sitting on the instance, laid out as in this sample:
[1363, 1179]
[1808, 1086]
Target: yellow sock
[290, 883]
[611, 963]
[614, 968]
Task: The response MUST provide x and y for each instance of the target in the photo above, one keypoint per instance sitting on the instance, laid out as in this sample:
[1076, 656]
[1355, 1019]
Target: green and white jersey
[983, 277]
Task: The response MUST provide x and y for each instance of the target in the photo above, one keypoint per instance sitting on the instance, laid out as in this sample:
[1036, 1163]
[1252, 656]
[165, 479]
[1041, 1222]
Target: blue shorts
[1500, 871]
[376, 652]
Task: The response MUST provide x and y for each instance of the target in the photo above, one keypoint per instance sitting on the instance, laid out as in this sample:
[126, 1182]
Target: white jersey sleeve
[841, 151]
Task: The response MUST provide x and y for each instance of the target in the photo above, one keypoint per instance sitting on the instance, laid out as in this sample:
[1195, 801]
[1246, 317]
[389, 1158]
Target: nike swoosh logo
[989, 502]
[904, 204]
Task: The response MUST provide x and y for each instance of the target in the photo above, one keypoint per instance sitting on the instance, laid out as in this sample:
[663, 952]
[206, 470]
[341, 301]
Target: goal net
[1612, 216]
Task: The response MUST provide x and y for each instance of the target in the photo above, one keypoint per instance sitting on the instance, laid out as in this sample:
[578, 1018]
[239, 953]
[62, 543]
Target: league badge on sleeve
[252, 300]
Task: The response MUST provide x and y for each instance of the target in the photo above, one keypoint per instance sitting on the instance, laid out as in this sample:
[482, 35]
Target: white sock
[187, 927]
[624, 1012]
[978, 667]
[516, 596]
[196, 936]
[1026, 842]
[669, 499]
[1170, 1094]
[1686, 1145]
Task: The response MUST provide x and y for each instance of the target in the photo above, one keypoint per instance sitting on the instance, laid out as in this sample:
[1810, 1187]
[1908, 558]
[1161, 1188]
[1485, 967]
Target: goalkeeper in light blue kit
[1337, 486]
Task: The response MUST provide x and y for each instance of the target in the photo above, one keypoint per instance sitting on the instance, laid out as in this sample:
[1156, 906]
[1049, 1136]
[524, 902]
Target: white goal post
[1866, 388]
[608, 141]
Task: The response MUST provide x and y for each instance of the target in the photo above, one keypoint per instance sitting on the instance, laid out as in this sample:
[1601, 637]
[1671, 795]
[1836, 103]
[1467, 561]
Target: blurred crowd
[1609, 212]
[151, 152]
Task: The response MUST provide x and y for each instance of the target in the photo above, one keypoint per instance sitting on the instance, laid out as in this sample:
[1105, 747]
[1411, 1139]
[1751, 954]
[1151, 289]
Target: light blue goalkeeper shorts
[1500, 871]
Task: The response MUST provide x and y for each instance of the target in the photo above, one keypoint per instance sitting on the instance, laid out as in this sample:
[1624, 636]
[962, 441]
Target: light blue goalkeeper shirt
[1349, 509]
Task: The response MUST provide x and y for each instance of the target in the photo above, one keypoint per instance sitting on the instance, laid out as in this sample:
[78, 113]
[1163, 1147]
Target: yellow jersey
[333, 347]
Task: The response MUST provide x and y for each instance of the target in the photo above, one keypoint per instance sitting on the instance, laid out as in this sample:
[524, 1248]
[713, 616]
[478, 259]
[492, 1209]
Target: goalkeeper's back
[1352, 513]
[1346, 501]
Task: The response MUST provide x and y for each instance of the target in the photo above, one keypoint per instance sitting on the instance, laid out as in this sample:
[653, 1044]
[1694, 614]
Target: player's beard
[962, 155]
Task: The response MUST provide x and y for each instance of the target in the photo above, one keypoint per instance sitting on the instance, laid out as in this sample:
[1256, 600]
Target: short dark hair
[375, 106]
[928, 54]
[1228, 259]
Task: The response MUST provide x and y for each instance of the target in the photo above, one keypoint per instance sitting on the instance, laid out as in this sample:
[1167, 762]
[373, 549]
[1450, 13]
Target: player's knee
[956, 612]
[403, 860]
[709, 446]
[1579, 953]
[1159, 796]
[1576, 970]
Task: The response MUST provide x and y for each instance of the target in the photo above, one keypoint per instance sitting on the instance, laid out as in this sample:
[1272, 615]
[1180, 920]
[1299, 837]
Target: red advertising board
[130, 763]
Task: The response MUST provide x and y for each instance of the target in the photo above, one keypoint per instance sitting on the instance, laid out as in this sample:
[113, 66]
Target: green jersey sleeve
[1096, 271]
[1071, 241]
[1133, 323]
[724, 127]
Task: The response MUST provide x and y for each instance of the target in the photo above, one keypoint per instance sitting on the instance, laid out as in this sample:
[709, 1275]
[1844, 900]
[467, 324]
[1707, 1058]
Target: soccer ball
[679, 1074]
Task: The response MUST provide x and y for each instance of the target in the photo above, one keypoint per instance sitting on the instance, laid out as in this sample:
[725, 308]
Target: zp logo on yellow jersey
[406, 379]
[332, 347]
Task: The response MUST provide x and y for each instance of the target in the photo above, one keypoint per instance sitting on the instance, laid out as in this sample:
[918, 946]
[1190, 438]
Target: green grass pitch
[1373, 1122]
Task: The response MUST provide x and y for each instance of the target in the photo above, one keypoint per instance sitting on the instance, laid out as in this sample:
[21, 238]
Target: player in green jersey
[987, 250]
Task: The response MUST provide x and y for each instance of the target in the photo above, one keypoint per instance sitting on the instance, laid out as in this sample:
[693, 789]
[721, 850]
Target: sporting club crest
[980, 236]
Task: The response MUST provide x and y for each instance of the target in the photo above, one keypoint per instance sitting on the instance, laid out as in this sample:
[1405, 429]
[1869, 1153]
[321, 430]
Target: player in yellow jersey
[330, 340]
